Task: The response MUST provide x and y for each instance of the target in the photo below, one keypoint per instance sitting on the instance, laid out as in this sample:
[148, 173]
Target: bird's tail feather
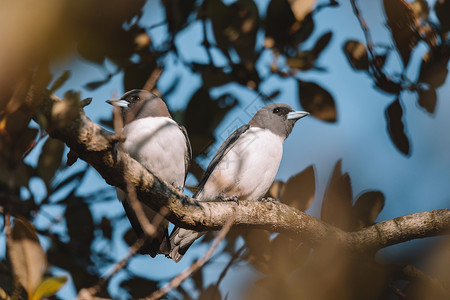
[180, 241]
[158, 245]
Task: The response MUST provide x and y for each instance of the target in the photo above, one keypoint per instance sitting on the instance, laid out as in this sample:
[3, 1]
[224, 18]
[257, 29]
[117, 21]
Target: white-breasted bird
[244, 167]
[158, 143]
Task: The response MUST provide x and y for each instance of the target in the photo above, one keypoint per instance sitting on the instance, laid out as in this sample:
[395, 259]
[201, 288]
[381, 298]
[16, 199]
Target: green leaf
[26, 255]
[48, 287]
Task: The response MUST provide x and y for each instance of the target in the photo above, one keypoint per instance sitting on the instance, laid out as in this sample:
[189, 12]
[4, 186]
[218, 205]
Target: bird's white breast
[159, 145]
[248, 169]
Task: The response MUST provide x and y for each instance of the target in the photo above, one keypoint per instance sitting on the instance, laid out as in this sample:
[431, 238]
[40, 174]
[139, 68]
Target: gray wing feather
[188, 154]
[223, 150]
[181, 239]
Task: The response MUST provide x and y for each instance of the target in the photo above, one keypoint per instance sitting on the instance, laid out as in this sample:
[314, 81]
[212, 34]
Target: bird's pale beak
[296, 115]
[118, 102]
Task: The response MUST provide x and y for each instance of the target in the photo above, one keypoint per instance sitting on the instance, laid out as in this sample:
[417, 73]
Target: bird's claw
[268, 199]
[232, 198]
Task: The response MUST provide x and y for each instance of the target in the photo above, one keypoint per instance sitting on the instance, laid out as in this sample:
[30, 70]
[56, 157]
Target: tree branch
[95, 145]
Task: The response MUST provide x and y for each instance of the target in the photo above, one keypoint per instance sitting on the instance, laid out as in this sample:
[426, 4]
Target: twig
[206, 42]
[8, 233]
[174, 283]
[150, 229]
[153, 79]
[230, 263]
[375, 68]
[411, 272]
[365, 29]
[90, 141]
[89, 293]
[157, 25]
[396, 290]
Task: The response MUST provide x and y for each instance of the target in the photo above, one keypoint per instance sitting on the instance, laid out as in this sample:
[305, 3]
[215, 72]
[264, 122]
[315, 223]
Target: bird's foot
[232, 198]
[268, 199]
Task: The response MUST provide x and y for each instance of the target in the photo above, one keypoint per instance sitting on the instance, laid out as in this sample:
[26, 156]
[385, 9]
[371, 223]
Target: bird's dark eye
[276, 110]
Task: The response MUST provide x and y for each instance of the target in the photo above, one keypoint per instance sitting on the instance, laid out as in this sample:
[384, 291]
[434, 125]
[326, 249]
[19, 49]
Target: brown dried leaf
[60, 81]
[283, 250]
[337, 201]
[356, 53]
[130, 237]
[433, 69]
[403, 24]
[420, 8]
[258, 244]
[317, 101]
[367, 208]
[282, 29]
[98, 83]
[427, 100]
[442, 9]
[64, 112]
[396, 128]
[106, 227]
[50, 159]
[299, 190]
[301, 8]
[275, 190]
[139, 287]
[322, 43]
[19, 94]
[210, 293]
[26, 255]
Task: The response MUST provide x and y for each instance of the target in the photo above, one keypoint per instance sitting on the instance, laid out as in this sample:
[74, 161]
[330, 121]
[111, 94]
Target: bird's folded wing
[223, 150]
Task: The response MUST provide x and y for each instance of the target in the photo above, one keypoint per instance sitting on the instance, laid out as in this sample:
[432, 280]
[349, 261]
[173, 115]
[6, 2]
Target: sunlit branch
[96, 146]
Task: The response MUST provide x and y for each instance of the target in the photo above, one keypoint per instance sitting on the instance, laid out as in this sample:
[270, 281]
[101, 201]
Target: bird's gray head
[278, 118]
[137, 104]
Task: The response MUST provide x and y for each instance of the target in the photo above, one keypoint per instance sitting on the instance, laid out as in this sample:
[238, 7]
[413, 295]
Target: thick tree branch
[402, 229]
[96, 146]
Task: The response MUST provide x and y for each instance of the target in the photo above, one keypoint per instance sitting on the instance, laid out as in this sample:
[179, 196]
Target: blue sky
[359, 137]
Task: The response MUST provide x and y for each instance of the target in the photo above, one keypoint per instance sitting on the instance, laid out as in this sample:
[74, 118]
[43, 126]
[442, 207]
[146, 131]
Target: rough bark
[95, 145]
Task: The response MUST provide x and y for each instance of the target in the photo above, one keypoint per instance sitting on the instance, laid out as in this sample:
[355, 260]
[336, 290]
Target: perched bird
[156, 141]
[245, 165]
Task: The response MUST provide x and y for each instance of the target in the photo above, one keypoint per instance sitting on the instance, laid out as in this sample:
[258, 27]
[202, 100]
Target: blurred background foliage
[244, 52]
